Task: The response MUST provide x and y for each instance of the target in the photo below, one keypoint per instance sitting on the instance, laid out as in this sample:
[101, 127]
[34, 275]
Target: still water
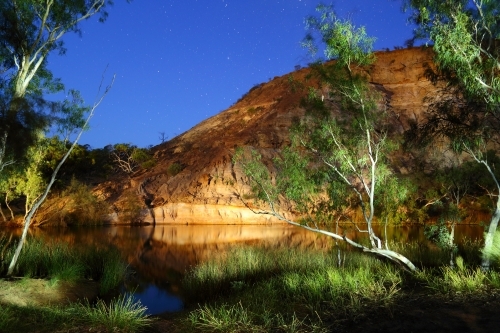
[160, 255]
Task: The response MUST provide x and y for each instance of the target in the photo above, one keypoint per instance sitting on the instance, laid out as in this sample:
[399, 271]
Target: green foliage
[222, 318]
[465, 38]
[294, 181]
[462, 279]
[347, 148]
[25, 179]
[244, 264]
[309, 282]
[113, 270]
[261, 183]
[129, 158]
[131, 208]
[315, 289]
[494, 251]
[336, 164]
[121, 315]
[394, 199]
[295, 85]
[174, 168]
[439, 234]
[344, 42]
[71, 114]
[81, 205]
[29, 32]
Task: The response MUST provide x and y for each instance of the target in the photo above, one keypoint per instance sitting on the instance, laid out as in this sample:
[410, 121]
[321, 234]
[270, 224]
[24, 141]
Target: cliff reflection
[161, 254]
[164, 253]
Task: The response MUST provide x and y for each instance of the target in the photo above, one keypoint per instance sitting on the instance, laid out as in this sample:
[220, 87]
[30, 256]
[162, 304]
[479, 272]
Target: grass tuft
[122, 315]
[221, 318]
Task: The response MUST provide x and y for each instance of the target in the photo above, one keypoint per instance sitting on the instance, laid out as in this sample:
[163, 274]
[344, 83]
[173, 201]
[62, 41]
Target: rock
[195, 180]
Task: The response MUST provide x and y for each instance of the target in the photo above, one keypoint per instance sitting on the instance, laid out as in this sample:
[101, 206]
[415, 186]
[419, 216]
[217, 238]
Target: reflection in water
[158, 300]
[160, 255]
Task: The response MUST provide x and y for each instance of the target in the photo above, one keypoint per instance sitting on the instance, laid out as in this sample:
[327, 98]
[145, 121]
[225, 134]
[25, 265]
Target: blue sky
[178, 62]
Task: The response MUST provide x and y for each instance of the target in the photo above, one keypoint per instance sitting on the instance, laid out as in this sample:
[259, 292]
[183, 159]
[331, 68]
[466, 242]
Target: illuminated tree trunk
[488, 241]
[38, 202]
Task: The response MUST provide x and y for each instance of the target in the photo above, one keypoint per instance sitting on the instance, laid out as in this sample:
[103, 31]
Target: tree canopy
[466, 41]
[30, 30]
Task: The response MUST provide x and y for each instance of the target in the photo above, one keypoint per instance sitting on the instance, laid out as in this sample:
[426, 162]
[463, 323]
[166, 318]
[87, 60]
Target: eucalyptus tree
[76, 125]
[337, 159]
[128, 158]
[29, 31]
[465, 35]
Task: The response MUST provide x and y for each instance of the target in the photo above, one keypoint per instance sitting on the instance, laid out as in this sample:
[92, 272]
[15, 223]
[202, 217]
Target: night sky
[178, 62]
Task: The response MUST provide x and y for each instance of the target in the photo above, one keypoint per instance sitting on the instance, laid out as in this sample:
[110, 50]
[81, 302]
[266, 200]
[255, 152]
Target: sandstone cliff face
[208, 187]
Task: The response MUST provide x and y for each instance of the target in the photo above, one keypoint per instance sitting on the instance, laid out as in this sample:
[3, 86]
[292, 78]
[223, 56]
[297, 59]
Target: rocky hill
[194, 179]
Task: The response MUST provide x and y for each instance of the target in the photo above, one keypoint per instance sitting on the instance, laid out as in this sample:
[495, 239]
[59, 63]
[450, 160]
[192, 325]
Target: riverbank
[58, 288]
[35, 305]
[423, 311]
[287, 286]
[410, 312]
[253, 290]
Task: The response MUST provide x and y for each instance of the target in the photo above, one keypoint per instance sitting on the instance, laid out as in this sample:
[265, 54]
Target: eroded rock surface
[195, 180]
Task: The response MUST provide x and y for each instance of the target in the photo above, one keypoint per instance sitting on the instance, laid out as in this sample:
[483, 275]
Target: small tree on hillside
[337, 156]
[465, 36]
[128, 158]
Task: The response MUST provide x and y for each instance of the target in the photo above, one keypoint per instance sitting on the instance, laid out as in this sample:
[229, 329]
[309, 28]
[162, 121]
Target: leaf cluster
[343, 41]
[26, 24]
[465, 37]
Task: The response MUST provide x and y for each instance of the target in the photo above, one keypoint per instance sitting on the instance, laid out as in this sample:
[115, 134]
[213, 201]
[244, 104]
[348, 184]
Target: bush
[174, 168]
[131, 207]
[76, 205]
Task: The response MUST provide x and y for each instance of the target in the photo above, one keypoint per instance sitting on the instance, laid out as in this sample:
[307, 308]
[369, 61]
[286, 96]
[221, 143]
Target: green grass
[264, 290]
[42, 319]
[58, 261]
[462, 278]
[291, 290]
[242, 266]
[121, 315]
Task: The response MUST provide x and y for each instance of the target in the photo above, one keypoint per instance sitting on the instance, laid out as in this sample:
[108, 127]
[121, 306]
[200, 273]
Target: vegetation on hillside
[340, 167]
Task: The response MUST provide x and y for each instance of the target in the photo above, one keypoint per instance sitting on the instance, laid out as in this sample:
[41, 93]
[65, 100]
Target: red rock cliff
[207, 188]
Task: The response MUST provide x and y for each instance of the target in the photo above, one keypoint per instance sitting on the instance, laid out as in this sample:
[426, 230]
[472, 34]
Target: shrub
[131, 207]
[174, 168]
